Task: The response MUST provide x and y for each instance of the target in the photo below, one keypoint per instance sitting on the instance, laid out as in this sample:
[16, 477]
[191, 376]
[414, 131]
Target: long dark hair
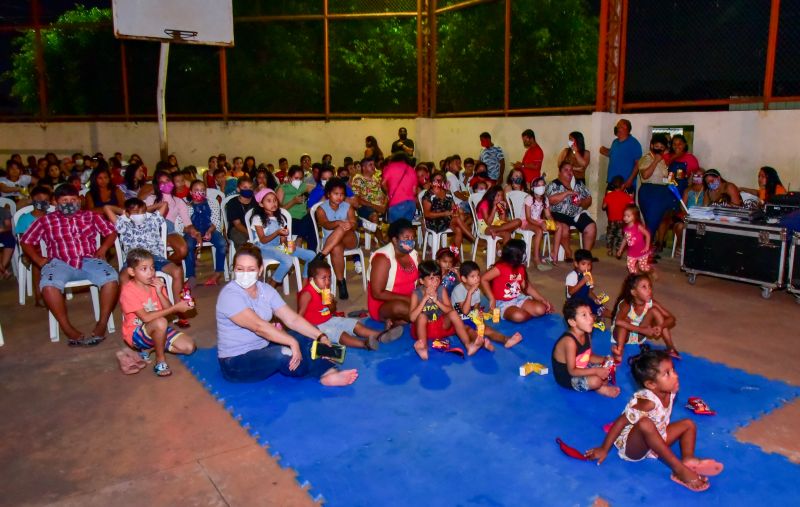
[262, 213]
[488, 197]
[94, 188]
[131, 183]
[625, 293]
[644, 366]
[156, 189]
[514, 253]
[580, 144]
[773, 180]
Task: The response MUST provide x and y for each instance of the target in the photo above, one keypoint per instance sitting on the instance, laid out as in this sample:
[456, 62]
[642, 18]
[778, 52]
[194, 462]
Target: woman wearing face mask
[177, 217]
[720, 191]
[393, 276]
[577, 155]
[515, 181]
[656, 200]
[293, 196]
[249, 347]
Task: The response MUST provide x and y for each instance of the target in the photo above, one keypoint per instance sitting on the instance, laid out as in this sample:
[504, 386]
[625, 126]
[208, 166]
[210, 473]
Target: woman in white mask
[293, 196]
[250, 348]
[577, 155]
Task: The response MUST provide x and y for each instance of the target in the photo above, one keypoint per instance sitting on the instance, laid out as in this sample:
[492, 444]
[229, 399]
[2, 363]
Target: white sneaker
[357, 267]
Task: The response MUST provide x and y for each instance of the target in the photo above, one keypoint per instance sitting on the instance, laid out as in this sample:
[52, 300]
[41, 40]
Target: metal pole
[602, 49]
[161, 102]
[223, 82]
[507, 59]
[772, 44]
[124, 65]
[325, 32]
[39, 50]
[420, 80]
[433, 38]
[623, 48]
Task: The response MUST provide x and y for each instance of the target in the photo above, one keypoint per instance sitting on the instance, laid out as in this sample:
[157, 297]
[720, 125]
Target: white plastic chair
[225, 225]
[347, 253]
[12, 207]
[213, 198]
[55, 329]
[491, 243]
[516, 203]
[24, 274]
[253, 237]
[2, 341]
[436, 240]
[122, 252]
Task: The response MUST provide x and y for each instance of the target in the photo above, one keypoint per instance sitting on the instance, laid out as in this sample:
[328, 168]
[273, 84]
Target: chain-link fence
[338, 58]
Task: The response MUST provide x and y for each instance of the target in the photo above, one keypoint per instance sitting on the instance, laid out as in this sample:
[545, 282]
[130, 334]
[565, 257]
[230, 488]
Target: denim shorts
[405, 209]
[517, 301]
[58, 273]
[335, 326]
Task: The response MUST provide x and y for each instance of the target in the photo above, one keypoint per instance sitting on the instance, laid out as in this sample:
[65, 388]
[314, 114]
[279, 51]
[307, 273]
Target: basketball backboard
[187, 21]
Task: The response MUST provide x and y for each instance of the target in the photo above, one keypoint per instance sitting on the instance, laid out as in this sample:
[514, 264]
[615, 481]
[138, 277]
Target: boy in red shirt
[145, 308]
[348, 332]
[614, 203]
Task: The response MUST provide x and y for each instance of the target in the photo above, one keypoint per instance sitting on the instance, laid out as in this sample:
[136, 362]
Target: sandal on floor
[210, 282]
[697, 485]
[391, 334]
[358, 314]
[698, 406]
[86, 342]
[182, 323]
[706, 467]
[674, 354]
[162, 369]
[373, 342]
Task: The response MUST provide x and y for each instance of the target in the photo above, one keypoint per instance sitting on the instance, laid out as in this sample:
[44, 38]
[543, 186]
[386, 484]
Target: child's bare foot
[617, 355]
[475, 346]
[610, 391]
[422, 349]
[692, 480]
[515, 339]
[488, 345]
[336, 378]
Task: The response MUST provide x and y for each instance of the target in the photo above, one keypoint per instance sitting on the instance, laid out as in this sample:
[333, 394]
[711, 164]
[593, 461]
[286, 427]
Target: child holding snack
[493, 215]
[506, 284]
[467, 301]
[574, 364]
[447, 259]
[580, 283]
[644, 429]
[145, 309]
[313, 305]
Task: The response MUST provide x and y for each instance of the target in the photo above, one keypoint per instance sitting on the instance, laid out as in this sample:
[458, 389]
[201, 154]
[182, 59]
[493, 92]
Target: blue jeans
[219, 258]
[258, 365]
[405, 209]
[286, 260]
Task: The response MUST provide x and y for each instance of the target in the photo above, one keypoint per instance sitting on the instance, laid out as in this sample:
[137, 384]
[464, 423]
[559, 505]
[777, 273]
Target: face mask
[713, 185]
[571, 143]
[485, 143]
[698, 180]
[68, 209]
[517, 181]
[182, 192]
[138, 219]
[246, 279]
[436, 183]
[538, 190]
[199, 196]
[166, 187]
[247, 193]
[297, 183]
[41, 205]
[344, 178]
[406, 245]
[79, 161]
[658, 150]
[323, 182]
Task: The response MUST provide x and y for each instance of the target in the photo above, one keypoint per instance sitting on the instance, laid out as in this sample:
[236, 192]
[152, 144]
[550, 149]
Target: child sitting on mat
[637, 316]
[644, 429]
[506, 284]
[447, 260]
[574, 364]
[432, 315]
[580, 283]
[348, 332]
[145, 309]
[466, 298]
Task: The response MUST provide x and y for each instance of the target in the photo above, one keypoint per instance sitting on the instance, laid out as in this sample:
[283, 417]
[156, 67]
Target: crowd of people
[311, 213]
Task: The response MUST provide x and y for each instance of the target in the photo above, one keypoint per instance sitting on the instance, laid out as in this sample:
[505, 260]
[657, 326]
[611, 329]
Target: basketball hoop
[179, 35]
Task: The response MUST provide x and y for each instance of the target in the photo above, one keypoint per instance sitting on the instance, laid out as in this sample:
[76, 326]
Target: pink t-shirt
[175, 208]
[401, 181]
[635, 240]
[131, 299]
[537, 207]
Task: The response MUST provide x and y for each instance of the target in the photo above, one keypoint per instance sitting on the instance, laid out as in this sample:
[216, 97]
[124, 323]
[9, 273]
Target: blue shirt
[623, 155]
[333, 215]
[318, 193]
[231, 186]
[492, 156]
[201, 216]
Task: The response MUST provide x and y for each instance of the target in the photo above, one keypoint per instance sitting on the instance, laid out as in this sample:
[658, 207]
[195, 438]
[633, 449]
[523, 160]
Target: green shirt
[298, 211]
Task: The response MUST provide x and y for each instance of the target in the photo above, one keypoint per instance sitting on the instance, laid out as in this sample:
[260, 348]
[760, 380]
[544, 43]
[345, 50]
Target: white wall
[735, 142]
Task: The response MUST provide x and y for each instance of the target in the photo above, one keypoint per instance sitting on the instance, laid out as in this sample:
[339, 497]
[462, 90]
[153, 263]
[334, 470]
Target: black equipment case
[793, 278]
[741, 251]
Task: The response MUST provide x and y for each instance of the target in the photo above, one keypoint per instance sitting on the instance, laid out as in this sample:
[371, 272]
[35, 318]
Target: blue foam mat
[473, 432]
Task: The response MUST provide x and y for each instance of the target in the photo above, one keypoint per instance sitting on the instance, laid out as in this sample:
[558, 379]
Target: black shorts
[584, 220]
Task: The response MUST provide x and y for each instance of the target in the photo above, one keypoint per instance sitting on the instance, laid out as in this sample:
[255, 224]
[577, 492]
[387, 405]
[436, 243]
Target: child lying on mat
[348, 332]
[644, 429]
[466, 298]
[433, 316]
[574, 365]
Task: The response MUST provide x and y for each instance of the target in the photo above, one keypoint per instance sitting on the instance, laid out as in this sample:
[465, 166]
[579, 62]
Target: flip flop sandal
[358, 314]
[706, 467]
[210, 283]
[571, 451]
[699, 407]
[391, 334]
[373, 342]
[443, 345]
[86, 342]
[182, 323]
[697, 485]
[674, 354]
[162, 370]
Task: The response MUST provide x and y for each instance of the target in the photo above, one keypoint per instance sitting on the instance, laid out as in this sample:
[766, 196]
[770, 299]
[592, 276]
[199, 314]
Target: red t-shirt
[615, 203]
[533, 155]
[510, 283]
[316, 313]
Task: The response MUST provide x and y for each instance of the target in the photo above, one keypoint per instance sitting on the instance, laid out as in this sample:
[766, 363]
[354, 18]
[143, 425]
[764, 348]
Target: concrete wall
[736, 142]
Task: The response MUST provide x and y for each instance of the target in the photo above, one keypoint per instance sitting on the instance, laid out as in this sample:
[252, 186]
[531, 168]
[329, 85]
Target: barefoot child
[506, 284]
[637, 316]
[466, 298]
[637, 240]
[348, 332]
[580, 284]
[644, 429]
[574, 364]
[145, 309]
[432, 315]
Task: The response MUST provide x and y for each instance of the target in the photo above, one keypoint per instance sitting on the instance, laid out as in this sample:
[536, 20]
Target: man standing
[625, 152]
[403, 144]
[492, 156]
[531, 165]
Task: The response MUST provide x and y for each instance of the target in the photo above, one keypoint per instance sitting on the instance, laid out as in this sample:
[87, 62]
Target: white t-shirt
[23, 181]
[572, 279]
[455, 185]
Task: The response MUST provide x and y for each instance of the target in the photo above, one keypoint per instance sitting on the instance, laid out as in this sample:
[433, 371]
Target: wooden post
[772, 44]
[327, 70]
[124, 66]
[39, 50]
[223, 82]
[623, 48]
[161, 101]
[432, 49]
[602, 52]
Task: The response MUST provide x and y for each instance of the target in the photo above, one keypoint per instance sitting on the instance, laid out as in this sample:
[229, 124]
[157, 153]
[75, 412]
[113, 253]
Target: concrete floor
[78, 432]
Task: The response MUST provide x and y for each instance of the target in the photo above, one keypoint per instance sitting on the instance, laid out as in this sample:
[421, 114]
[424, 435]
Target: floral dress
[438, 205]
[659, 415]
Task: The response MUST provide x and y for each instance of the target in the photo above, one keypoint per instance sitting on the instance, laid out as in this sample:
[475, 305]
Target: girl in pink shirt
[637, 240]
